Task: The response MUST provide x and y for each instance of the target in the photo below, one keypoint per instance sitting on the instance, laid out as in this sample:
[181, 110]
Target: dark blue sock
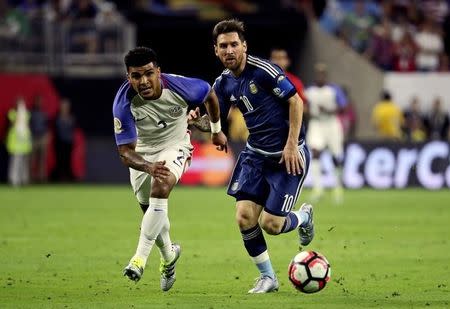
[254, 241]
[256, 247]
[291, 222]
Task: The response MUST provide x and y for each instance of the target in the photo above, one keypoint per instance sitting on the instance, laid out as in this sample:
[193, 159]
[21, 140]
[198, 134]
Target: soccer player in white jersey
[150, 124]
[325, 131]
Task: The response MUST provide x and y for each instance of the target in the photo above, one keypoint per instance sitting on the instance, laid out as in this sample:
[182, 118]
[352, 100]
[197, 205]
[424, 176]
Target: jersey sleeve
[193, 90]
[274, 80]
[124, 125]
[224, 103]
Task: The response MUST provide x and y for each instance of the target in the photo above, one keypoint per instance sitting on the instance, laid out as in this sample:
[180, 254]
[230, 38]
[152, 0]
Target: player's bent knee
[245, 221]
[271, 227]
[161, 191]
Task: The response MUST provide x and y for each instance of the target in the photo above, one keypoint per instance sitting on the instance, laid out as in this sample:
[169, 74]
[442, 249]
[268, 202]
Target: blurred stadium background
[72, 51]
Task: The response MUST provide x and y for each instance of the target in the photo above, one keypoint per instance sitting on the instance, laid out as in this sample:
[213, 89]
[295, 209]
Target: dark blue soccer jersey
[260, 93]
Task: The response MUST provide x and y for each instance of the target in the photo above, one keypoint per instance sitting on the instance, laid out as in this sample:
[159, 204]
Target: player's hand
[291, 158]
[220, 140]
[193, 115]
[159, 171]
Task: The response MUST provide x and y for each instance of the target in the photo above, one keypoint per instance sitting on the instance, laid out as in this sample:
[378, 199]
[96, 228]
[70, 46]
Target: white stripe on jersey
[263, 65]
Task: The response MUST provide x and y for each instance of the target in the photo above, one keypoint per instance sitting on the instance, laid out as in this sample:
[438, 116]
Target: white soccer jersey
[157, 124]
[324, 129]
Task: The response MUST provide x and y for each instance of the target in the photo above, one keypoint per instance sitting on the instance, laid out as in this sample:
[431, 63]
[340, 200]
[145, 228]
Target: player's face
[280, 58]
[230, 50]
[146, 80]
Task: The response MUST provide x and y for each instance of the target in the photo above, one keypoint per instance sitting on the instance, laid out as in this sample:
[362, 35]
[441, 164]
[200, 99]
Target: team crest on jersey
[235, 186]
[280, 78]
[117, 126]
[253, 88]
[175, 111]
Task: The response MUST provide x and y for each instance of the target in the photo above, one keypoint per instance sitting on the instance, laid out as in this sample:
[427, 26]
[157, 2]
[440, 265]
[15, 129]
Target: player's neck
[241, 68]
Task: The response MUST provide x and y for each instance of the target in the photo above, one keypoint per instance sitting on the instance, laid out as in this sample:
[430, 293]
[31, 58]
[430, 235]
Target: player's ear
[216, 51]
[244, 45]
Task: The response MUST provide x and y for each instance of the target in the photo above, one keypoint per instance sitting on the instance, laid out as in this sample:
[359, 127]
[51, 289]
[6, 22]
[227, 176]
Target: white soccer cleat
[134, 269]
[168, 270]
[264, 284]
[306, 231]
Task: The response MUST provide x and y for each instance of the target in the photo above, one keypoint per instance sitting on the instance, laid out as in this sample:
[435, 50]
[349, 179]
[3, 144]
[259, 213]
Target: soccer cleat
[265, 284]
[306, 231]
[168, 269]
[134, 269]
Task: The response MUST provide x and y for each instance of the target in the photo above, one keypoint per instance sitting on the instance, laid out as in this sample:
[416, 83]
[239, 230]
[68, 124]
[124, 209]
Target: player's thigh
[315, 136]
[335, 137]
[247, 181]
[141, 185]
[284, 190]
[178, 159]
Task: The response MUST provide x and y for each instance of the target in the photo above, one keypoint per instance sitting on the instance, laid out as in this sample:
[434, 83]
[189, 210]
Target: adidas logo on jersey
[232, 98]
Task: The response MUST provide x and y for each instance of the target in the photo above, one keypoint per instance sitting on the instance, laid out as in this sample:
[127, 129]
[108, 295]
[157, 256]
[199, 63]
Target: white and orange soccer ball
[309, 271]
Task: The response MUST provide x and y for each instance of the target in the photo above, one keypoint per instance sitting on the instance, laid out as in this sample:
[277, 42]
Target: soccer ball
[309, 271]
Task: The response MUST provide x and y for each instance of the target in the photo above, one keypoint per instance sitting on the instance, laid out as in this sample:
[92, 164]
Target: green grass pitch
[66, 246]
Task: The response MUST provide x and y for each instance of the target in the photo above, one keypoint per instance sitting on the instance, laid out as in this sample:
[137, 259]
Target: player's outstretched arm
[132, 159]
[212, 106]
[291, 156]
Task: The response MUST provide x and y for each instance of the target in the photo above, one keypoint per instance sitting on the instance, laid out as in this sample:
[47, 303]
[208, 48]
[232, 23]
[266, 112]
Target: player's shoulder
[193, 90]
[174, 81]
[124, 95]
[263, 68]
[221, 81]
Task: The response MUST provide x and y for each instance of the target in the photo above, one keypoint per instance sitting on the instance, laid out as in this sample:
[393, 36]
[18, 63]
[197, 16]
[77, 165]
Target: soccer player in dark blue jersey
[270, 171]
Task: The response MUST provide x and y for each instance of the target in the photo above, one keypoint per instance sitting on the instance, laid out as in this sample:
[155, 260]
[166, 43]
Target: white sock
[316, 174]
[154, 219]
[164, 243]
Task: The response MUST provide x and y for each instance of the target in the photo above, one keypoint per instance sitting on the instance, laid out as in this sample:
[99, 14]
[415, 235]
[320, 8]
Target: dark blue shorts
[266, 182]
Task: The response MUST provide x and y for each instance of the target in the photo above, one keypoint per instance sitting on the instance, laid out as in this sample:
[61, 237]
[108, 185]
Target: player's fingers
[281, 160]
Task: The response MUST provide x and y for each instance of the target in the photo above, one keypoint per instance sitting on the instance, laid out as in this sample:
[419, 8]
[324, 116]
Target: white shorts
[326, 134]
[177, 157]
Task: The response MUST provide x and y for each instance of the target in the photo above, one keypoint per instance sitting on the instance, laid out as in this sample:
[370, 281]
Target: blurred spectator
[437, 122]
[108, 22]
[280, 57]
[14, 25]
[430, 46]
[64, 141]
[405, 54]
[413, 125]
[356, 27]
[381, 47]
[81, 17]
[436, 10]
[18, 144]
[54, 10]
[387, 118]
[40, 133]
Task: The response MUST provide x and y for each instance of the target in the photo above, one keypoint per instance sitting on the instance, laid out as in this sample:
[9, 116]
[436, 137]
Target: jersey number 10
[288, 203]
